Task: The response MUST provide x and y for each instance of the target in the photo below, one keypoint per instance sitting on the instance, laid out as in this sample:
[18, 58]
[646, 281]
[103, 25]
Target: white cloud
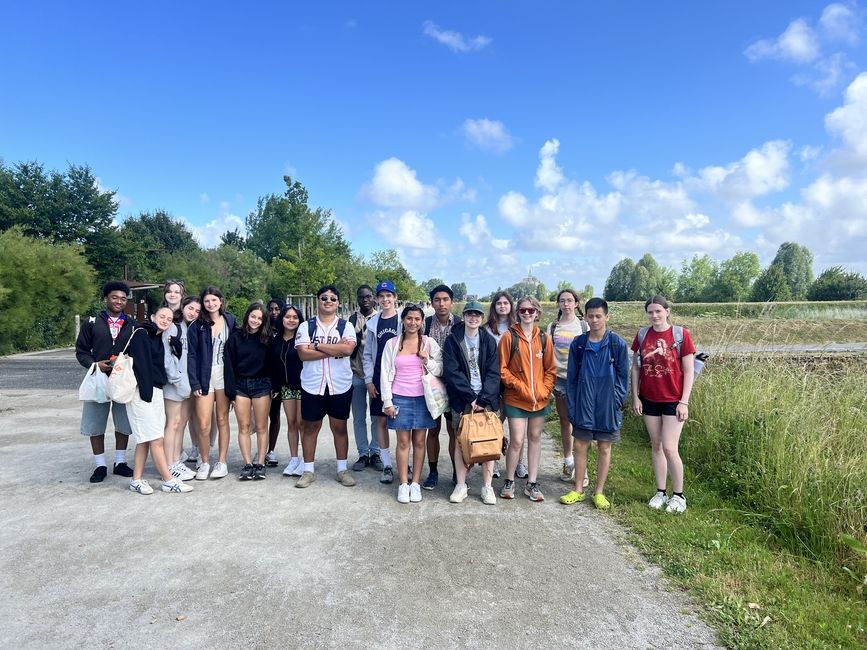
[549, 175]
[514, 208]
[761, 171]
[797, 43]
[208, 235]
[826, 74]
[455, 41]
[839, 22]
[642, 196]
[849, 121]
[458, 191]
[488, 134]
[475, 230]
[809, 152]
[409, 229]
[396, 185]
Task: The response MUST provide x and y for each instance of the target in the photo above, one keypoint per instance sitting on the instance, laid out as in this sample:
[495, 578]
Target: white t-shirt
[333, 373]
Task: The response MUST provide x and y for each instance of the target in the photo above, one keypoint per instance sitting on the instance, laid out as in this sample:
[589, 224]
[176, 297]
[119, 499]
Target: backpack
[311, 327]
[514, 349]
[585, 328]
[677, 331]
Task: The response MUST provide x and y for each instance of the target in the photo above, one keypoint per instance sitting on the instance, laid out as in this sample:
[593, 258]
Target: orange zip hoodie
[530, 377]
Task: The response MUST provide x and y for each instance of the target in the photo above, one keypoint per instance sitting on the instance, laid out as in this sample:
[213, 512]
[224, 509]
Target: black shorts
[376, 407]
[315, 407]
[657, 409]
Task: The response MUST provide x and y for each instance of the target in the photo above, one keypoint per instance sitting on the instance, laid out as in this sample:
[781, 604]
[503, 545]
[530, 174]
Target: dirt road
[262, 563]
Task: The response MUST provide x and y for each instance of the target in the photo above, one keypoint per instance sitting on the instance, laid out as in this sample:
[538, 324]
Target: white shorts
[217, 380]
[147, 420]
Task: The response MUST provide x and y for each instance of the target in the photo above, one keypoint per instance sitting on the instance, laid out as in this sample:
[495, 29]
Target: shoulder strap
[513, 350]
[311, 328]
[129, 340]
[544, 339]
[677, 331]
[584, 326]
[427, 325]
[341, 326]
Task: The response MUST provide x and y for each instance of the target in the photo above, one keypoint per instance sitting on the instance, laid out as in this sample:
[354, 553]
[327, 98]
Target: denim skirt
[412, 414]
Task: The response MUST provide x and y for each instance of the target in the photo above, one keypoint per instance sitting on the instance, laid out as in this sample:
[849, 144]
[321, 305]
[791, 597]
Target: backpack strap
[514, 347]
[311, 328]
[677, 331]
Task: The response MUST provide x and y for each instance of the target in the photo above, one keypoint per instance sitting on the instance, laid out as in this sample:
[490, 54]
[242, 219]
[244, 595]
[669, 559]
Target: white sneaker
[202, 471]
[299, 471]
[271, 459]
[488, 496]
[459, 493]
[181, 471]
[193, 456]
[676, 504]
[403, 493]
[176, 486]
[292, 467]
[521, 470]
[220, 470]
[414, 492]
[658, 501]
[141, 487]
[567, 473]
[496, 472]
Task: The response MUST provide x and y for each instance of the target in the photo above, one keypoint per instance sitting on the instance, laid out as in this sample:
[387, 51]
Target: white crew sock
[385, 454]
[308, 467]
[119, 456]
[341, 465]
[99, 459]
[570, 461]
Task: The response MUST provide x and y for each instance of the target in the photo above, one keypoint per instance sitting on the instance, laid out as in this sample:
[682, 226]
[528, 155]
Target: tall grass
[787, 440]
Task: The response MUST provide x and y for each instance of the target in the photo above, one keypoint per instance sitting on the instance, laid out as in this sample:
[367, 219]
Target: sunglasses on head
[527, 310]
[329, 298]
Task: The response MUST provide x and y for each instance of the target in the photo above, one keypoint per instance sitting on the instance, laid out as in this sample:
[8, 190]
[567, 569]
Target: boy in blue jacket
[596, 386]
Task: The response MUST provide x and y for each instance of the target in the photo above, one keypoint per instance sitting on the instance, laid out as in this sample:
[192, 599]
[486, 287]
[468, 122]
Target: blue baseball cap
[386, 285]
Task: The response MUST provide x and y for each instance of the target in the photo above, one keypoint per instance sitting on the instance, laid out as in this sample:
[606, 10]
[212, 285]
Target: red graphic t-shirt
[661, 375]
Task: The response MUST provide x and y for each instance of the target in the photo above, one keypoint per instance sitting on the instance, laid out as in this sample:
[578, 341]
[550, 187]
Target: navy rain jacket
[597, 383]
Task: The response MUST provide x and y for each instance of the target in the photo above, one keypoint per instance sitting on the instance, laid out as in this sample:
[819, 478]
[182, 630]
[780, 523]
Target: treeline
[60, 242]
[741, 278]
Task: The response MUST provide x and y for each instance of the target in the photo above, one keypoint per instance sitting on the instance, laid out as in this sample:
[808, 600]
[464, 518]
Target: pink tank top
[407, 376]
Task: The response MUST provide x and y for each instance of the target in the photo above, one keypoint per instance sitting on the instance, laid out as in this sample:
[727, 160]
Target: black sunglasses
[329, 298]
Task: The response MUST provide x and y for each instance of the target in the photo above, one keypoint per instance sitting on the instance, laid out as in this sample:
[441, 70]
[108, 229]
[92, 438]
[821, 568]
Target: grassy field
[775, 538]
[716, 324]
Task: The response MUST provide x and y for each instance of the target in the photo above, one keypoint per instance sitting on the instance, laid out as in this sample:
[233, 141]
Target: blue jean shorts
[94, 418]
[254, 387]
[412, 414]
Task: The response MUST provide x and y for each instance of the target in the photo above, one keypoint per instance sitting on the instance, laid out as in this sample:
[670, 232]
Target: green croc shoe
[572, 497]
[601, 502]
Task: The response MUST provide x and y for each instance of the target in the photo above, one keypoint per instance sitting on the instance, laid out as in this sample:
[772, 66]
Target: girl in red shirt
[662, 377]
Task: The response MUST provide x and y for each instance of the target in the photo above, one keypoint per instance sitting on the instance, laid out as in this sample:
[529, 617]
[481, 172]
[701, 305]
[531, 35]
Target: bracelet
[684, 403]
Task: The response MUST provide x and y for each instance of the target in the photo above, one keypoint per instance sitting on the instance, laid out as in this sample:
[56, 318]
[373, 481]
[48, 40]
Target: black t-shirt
[386, 329]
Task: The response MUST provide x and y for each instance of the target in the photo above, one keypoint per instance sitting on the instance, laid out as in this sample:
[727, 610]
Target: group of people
[193, 361]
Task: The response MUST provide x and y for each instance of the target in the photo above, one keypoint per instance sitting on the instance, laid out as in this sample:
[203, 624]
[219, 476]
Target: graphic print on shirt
[657, 358]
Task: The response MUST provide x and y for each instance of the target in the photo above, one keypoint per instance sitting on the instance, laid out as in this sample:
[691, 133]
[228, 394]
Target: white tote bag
[121, 382]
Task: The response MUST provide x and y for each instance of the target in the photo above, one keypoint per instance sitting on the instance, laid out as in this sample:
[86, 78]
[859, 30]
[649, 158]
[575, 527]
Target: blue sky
[478, 139]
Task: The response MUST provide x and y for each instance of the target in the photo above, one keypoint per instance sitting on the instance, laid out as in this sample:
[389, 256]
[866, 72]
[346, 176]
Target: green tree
[771, 286]
[618, 286]
[587, 292]
[650, 279]
[836, 283]
[386, 265]
[233, 238]
[304, 246]
[150, 239]
[63, 207]
[735, 278]
[796, 262]
[427, 285]
[460, 289]
[696, 279]
[44, 286]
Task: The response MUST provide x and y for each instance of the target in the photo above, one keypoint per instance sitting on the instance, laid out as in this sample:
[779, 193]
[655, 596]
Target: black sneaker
[247, 473]
[387, 475]
[122, 469]
[361, 464]
[258, 472]
[99, 474]
[376, 462]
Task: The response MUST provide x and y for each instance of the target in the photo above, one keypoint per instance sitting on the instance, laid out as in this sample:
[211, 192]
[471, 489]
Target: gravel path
[264, 563]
